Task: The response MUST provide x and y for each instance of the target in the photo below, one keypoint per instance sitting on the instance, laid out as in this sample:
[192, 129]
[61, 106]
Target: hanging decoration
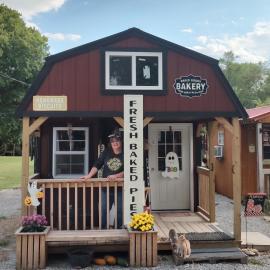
[171, 166]
[35, 194]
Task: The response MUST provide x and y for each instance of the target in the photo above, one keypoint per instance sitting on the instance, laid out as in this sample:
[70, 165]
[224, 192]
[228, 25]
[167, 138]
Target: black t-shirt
[113, 163]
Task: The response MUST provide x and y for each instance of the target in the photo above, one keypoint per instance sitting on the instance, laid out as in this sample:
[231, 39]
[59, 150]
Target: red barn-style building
[77, 100]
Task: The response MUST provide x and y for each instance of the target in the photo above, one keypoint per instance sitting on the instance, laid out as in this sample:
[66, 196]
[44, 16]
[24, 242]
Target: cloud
[187, 30]
[30, 8]
[250, 47]
[62, 37]
[202, 39]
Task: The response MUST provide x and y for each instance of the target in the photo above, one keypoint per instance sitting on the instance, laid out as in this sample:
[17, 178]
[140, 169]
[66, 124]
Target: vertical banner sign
[133, 156]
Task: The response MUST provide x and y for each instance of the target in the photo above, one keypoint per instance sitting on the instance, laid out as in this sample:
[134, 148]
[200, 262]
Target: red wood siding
[78, 77]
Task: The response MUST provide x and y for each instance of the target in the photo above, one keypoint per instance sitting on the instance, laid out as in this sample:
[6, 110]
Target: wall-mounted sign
[190, 86]
[171, 166]
[49, 103]
[251, 148]
[133, 156]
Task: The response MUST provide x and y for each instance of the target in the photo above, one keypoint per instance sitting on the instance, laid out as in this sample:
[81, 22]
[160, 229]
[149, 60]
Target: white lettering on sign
[49, 103]
[133, 156]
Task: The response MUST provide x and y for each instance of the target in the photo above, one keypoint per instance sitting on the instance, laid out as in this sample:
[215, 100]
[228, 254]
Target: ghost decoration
[34, 193]
[171, 166]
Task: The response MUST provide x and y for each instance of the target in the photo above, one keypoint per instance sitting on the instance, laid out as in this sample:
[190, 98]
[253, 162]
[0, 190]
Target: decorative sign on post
[254, 204]
[190, 86]
[133, 156]
[49, 103]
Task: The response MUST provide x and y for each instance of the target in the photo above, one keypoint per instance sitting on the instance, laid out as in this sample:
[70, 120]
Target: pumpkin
[100, 261]
[111, 260]
[27, 201]
[40, 195]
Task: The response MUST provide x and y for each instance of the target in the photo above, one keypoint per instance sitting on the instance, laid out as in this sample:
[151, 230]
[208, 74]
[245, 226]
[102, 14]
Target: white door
[170, 193]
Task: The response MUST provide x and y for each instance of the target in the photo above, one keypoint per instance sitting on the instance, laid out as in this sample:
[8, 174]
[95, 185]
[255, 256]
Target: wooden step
[212, 256]
[56, 238]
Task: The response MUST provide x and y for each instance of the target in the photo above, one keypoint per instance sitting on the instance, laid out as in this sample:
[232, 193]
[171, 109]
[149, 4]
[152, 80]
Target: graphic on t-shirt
[114, 164]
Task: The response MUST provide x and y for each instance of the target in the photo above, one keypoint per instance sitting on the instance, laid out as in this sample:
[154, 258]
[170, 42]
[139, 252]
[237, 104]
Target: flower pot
[31, 251]
[142, 248]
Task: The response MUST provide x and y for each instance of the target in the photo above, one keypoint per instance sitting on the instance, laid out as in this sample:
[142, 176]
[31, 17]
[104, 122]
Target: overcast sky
[209, 26]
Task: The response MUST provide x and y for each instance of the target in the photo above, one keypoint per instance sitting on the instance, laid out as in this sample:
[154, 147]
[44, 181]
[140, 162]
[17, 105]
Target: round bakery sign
[190, 86]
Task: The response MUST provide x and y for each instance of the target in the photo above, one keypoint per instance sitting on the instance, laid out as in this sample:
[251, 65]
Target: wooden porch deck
[181, 222]
[187, 222]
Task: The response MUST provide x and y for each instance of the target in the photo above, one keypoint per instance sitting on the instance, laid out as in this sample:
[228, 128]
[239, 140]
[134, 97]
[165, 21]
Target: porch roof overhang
[171, 116]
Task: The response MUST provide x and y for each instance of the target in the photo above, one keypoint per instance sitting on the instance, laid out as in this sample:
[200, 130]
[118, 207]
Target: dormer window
[133, 70]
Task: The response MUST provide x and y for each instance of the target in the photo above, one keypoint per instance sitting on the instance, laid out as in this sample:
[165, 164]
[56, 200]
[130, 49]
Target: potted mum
[30, 241]
[142, 240]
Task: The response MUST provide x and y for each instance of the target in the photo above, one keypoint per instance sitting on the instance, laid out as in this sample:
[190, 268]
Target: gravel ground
[10, 204]
[224, 215]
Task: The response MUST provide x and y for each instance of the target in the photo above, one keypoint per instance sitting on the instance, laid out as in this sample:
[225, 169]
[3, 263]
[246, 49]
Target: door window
[169, 141]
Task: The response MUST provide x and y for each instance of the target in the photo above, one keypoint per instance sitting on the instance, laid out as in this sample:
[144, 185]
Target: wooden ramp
[213, 256]
[188, 223]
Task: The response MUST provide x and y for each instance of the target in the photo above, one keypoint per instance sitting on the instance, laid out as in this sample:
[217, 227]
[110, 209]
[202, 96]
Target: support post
[26, 132]
[259, 146]
[236, 176]
[25, 162]
[212, 172]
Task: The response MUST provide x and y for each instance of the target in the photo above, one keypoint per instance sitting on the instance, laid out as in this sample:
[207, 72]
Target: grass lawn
[10, 171]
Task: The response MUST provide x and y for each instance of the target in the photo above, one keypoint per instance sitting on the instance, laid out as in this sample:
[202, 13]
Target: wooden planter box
[31, 251]
[142, 248]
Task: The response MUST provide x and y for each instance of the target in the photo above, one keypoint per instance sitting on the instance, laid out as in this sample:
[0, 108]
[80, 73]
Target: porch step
[212, 256]
[84, 237]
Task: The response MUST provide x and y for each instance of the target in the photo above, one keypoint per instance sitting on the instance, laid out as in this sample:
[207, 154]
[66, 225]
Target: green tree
[250, 81]
[22, 53]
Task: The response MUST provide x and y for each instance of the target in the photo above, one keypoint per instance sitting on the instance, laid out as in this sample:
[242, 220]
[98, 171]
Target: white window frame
[55, 152]
[133, 71]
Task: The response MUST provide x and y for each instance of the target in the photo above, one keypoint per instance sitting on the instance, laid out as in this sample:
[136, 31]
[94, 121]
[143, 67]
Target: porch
[74, 212]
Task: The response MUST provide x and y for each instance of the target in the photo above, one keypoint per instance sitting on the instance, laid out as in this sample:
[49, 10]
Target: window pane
[78, 135]
[63, 169]
[169, 148]
[77, 159]
[178, 150]
[162, 137]
[161, 164]
[177, 136]
[161, 150]
[62, 146]
[120, 70]
[147, 70]
[169, 137]
[180, 164]
[78, 145]
[62, 159]
[77, 169]
[62, 135]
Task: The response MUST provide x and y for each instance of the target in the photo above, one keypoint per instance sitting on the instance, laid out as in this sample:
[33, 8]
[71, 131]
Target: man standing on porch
[112, 160]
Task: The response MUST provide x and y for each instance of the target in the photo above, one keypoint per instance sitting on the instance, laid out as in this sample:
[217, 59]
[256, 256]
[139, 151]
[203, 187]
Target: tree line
[23, 50]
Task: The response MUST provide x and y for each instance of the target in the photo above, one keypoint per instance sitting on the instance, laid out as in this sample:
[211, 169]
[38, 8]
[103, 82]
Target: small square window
[133, 70]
